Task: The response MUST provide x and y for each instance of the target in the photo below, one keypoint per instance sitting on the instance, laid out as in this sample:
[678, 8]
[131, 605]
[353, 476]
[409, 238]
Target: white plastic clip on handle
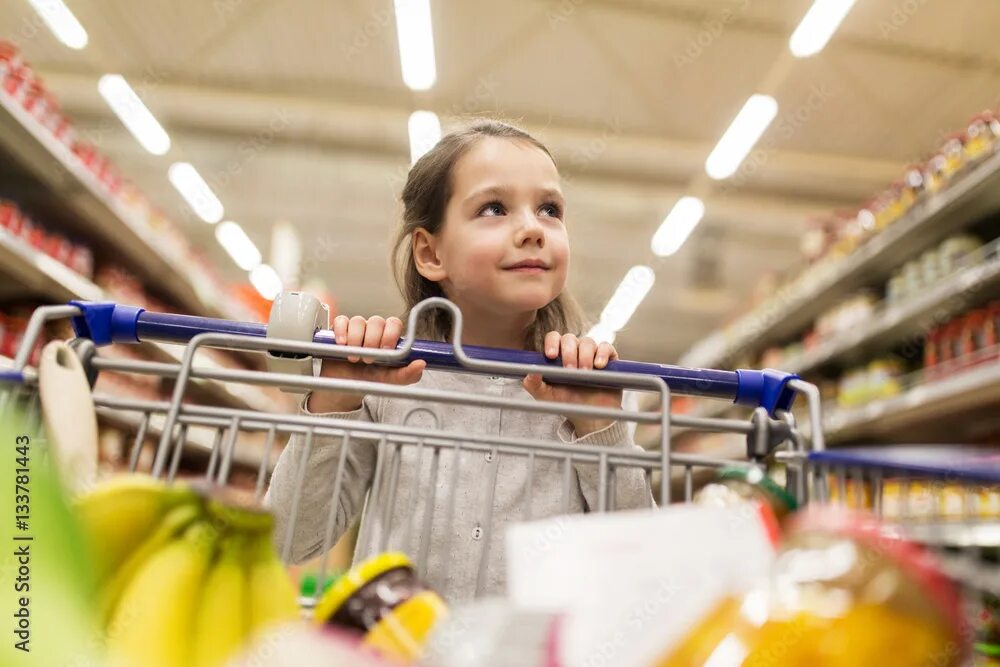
[295, 316]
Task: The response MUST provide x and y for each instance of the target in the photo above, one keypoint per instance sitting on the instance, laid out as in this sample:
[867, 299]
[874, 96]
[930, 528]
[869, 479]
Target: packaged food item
[890, 206]
[919, 499]
[912, 278]
[843, 592]
[849, 493]
[382, 599]
[941, 168]
[895, 290]
[16, 80]
[738, 485]
[992, 328]
[981, 136]
[951, 346]
[930, 267]
[913, 186]
[953, 151]
[959, 251]
[10, 59]
[932, 353]
[884, 378]
[973, 338]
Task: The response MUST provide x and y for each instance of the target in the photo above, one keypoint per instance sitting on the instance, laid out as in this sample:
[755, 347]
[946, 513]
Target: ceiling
[295, 110]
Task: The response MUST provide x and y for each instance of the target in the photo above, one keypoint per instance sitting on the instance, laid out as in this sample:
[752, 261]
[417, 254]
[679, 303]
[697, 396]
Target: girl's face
[503, 245]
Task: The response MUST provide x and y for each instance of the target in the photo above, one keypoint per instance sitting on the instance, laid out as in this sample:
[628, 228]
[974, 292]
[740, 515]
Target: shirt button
[477, 532]
[494, 377]
[489, 457]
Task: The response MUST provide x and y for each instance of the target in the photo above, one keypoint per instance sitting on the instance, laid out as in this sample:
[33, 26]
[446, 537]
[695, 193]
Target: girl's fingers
[340, 329]
[552, 344]
[412, 372]
[392, 333]
[534, 385]
[355, 334]
[605, 353]
[587, 351]
[373, 335]
[568, 350]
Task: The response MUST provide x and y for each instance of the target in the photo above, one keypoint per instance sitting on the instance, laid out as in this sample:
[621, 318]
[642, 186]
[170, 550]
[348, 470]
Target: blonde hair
[425, 198]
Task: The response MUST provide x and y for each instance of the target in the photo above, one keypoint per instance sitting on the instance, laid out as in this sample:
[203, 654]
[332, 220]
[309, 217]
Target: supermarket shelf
[981, 533]
[896, 322]
[969, 197]
[201, 440]
[237, 395]
[54, 165]
[40, 273]
[923, 404]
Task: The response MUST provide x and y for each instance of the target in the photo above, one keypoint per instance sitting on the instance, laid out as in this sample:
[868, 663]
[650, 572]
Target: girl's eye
[554, 210]
[494, 208]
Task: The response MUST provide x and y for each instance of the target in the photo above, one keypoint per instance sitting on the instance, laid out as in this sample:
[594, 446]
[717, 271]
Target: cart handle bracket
[767, 388]
[106, 322]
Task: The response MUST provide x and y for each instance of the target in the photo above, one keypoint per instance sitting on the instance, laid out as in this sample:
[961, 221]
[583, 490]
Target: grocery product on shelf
[981, 136]
[848, 314]
[963, 342]
[842, 592]
[21, 87]
[18, 225]
[383, 599]
[831, 239]
[879, 379]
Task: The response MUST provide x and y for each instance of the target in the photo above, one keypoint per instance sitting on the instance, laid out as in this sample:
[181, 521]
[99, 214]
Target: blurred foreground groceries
[139, 573]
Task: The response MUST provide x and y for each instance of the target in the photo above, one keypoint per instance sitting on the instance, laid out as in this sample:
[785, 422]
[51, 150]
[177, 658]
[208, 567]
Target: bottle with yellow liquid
[844, 592]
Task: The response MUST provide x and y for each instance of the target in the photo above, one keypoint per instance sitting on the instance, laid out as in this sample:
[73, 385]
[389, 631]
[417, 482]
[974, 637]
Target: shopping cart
[174, 423]
[771, 432]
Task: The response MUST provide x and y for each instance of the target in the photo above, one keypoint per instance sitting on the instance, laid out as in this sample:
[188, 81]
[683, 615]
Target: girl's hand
[577, 353]
[374, 332]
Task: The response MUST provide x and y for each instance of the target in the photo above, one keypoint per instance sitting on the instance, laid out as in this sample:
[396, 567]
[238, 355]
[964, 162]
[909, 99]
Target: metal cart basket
[772, 431]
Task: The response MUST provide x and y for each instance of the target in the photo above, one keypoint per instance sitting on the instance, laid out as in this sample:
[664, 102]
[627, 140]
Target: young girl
[484, 226]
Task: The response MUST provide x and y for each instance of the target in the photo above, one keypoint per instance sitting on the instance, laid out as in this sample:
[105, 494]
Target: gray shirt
[456, 547]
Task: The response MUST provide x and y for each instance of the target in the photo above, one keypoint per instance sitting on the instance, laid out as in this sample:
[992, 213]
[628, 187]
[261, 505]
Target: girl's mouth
[529, 266]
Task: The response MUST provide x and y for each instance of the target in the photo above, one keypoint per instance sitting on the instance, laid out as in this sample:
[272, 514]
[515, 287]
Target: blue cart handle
[107, 322]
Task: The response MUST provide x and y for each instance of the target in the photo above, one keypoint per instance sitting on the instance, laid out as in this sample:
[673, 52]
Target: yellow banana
[153, 621]
[271, 596]
[221, 623]
[118, 514]
[175, 522]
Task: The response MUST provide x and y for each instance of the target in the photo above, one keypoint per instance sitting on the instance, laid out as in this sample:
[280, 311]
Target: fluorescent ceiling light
[61, 22]
[239, 246]
[133, 113]
[416, 43]
[631, 291]
[425, 131]
[602, 333]
[677, 226]
[195, 191]
[286, 252]
[743, 133]
[818, 26]
[266, 281]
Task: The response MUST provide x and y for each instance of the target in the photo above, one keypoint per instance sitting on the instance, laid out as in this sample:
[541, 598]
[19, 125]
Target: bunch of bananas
[187, 577]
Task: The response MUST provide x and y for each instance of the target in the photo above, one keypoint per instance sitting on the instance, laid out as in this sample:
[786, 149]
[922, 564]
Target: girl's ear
[425, 256]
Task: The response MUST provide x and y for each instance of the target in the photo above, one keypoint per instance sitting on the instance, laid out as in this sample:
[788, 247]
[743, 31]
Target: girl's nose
[529, 231]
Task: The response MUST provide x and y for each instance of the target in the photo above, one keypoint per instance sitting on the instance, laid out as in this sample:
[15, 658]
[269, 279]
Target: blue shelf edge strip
[942, 462]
